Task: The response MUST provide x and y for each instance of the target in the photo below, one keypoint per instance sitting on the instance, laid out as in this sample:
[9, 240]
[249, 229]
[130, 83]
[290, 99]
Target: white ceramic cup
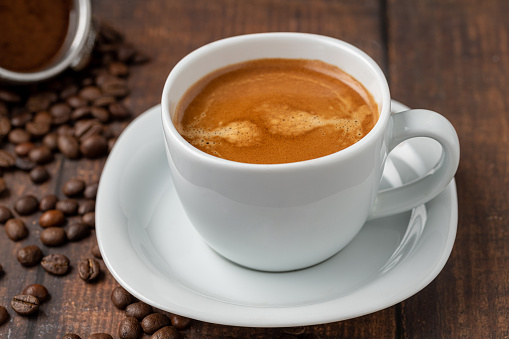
[281, 217]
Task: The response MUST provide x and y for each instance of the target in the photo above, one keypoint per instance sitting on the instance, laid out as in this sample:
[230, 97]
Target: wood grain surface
[449, 56]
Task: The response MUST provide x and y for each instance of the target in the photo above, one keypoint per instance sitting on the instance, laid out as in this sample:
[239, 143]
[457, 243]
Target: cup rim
[170, 132]
[77, 43]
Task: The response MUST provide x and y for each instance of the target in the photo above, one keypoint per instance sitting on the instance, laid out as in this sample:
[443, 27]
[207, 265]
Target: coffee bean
[67, 206]
[9, 96]
[22, 149]
[26, 205]
[57, 264]
[20, 119]
[100, 113]
[68, 145]
[73, 187]
[60, 113]
[100, 336]
[87, 128]
[81, 113]
[167, 332]
[78, 231]
[5, 214]
[3, 185]
[53, 236]
[103, 102]
[68, 91]
[43, 117]
[118, 110]
[90, 191]
[129, 328]
[153, 322]
[24, 164]
[95, 250]
[40, 101]
[90, 93]
[94, 146]
[25, 304]
[7, 159]
[4, 315]
[40, 155]
[139, 310]
[89, 219]
[121, 298]
[89, 269]
[65, 130]
[50, 140]
[86, 206]
[29, 256]
[16, 229]
[71, 336]
[118, 68]
[39, 174]
[115, 86]
[51, 218]
[38, 291]
[180, 322]
[48, 203]
[37, 129]
[5, 126]
[18, 136]
[76, 101]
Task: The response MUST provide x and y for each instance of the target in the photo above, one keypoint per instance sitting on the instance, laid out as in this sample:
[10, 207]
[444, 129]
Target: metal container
[74, 53]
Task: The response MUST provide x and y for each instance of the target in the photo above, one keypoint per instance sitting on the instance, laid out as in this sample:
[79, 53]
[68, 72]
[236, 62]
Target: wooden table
[448, 56]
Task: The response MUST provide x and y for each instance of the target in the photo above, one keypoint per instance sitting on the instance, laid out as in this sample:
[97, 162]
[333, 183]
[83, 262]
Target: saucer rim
[269, 317]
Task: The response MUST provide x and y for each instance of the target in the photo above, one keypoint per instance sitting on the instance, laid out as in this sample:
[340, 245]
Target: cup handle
[419, 123]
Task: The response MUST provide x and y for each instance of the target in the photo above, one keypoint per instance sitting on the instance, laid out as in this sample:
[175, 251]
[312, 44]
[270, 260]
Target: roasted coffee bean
[90, 93]
[118, 110]
[94, 146]
[48, 203]
[88, 127]
[100, 336]
[20, 119]
[40, 101]
[73, 187]
[180, 322]
[103, 101]
[16, 229]
[153, 322]
[40, 155]
[9, 96]
[95, 250]
[76, 101]
[71, 336]
[5, 214]
[167, 332]
[53, 236]
[60, 113]
[86, 206]
[43, 117]
[121, 298]
[26, 205]
[118, 68]
[57, 264]
[7, 159]
[78, 231]
[3, 185]
[29, 256]
[68, 145]
[129, 328]
[115, 86]
[4, 315]
[24, 164]
[38, 291]
[65, 130]
[89, 269]
[18, 136]
[90, 191]
[100, 113]
[81, 113]
[25, 304]
[50, 140]
[39, 174]
[89, 219]
[5, 126]
[67, 206]
[22, 149]
[37, 129]
[51, 218]
[139, 310]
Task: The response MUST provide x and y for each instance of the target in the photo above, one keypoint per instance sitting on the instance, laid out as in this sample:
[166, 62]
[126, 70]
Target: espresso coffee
[272, 111]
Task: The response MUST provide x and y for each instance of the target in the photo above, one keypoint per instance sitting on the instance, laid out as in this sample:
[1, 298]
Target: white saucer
[153, 251]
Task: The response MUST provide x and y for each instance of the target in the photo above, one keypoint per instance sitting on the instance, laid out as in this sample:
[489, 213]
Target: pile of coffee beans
[77, 115]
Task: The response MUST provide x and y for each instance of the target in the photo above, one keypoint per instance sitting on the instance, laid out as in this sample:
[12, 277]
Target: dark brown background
[446, 55]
